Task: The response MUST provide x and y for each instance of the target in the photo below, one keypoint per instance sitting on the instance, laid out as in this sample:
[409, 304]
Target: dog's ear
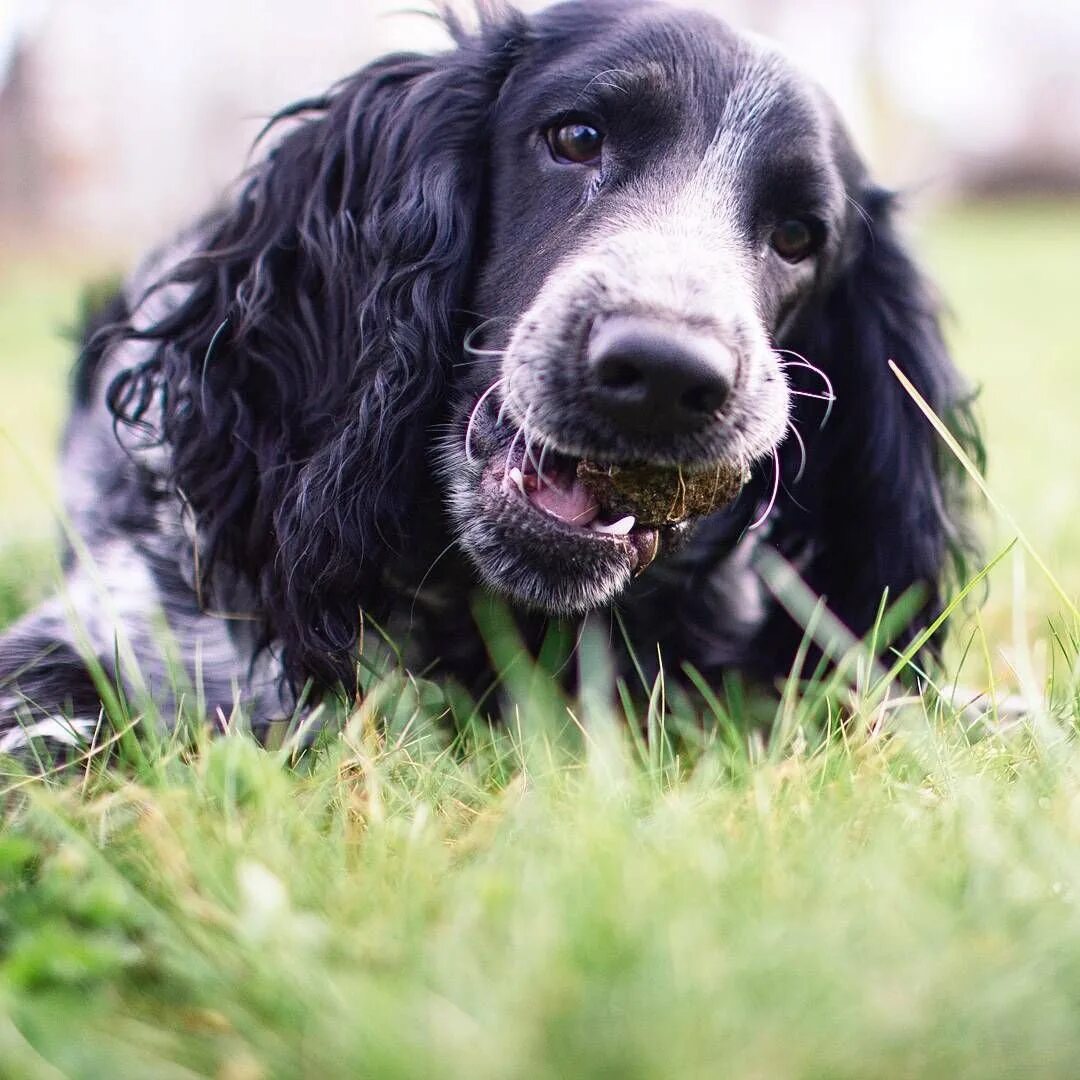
[302, 368]
[882, 500]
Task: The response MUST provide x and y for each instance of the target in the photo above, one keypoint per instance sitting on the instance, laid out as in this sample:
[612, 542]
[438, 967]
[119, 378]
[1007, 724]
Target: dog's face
[663, 194]
[630, 214]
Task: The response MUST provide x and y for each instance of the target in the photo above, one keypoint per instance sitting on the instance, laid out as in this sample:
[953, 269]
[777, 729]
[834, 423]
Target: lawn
[564, 897]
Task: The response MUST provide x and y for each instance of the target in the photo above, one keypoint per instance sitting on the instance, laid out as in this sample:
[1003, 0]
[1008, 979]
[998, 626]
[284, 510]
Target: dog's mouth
[631, 510]
[566, 528]
[567, 503]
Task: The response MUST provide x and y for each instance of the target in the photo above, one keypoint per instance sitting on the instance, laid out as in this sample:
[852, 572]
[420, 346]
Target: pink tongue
[574, 504]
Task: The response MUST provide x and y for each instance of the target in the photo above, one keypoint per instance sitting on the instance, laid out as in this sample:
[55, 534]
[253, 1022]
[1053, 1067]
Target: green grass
[894, 897]
[898, 901]
[1008, 274]
[39, 303]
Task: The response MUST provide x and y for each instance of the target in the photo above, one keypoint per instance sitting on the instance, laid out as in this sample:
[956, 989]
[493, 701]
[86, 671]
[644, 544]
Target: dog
[586, 313]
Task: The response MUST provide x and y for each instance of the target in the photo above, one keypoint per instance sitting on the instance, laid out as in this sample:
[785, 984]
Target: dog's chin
[540, 535]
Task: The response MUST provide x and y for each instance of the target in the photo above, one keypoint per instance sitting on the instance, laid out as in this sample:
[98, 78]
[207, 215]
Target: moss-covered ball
[659, 495]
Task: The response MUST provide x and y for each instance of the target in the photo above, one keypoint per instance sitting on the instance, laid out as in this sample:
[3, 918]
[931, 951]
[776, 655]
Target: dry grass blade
[980, 482]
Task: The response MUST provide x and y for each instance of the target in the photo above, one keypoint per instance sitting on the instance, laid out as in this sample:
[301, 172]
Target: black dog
[388, 372]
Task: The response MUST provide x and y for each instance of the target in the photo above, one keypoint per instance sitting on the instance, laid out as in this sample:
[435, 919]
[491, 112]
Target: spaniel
[587, 313]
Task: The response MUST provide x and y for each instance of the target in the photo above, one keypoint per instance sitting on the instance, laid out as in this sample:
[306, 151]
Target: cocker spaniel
[583, 313]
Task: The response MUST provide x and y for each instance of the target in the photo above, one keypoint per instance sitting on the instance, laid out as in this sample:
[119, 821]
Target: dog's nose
[657, 377]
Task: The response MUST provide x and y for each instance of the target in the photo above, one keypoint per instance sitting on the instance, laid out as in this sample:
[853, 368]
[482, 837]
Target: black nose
[658, 377]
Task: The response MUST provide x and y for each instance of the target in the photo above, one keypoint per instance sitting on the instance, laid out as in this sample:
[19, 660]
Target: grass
[1006, 272]
[894, 897]
[38, 309]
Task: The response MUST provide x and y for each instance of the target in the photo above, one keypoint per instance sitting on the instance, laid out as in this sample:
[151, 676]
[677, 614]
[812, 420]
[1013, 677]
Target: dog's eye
[575, 142]
[796, 239]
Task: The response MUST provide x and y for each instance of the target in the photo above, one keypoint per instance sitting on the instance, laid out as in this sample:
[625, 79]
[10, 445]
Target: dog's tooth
[518, 479]
[622, 527]
[646, 555]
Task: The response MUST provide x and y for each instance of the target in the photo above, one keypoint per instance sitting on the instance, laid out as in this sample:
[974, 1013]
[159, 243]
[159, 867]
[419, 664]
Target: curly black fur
[286, 448]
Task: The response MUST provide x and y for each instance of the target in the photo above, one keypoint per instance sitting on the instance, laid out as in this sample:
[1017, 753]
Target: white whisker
[828, 412]
[423, 581]
[802, 362]
[529, 454]
[472, 417]
[829, 398]
[483, 352]
[474, 363]
[772, 498]
[508, 397]
[867, 220]
[545, 446]
[510, 454]
[472, 350]
[802, 451]
[529, 439]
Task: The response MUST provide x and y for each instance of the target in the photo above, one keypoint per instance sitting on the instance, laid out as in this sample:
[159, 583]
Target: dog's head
[590, 270]
[663, 197]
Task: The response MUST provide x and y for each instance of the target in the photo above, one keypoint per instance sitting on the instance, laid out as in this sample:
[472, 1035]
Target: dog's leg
[49, 703]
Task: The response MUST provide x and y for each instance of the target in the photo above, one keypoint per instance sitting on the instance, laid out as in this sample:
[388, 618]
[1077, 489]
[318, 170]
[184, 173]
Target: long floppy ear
[302, 368]
[883, 504]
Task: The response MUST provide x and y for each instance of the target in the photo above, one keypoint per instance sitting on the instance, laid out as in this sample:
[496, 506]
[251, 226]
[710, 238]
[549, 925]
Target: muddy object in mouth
[660, 495]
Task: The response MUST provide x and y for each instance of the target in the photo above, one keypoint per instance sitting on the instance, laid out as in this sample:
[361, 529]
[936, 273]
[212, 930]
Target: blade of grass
[905, 657]
[977, 478]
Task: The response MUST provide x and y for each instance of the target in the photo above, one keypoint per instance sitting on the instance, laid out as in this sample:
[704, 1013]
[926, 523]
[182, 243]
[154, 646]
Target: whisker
[474, 363]
[772, 498]
[603, 79]
[485, 320]
[545, 446]
[802, 451]
[472, 350]
[510, 453]
[508, 397]
[828, 398]
[791, 352]
[867, 220]
[828, 412]
[802, 362]
[423, 581]
[528, 439]
[529, 453]
[472, 416]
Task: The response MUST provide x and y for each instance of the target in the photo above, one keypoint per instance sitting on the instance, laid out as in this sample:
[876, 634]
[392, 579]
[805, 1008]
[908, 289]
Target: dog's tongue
[572, 502]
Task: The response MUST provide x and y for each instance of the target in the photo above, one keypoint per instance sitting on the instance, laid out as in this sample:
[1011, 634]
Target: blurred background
[119, 119]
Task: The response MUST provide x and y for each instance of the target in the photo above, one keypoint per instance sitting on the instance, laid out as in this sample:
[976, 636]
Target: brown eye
[795, 239]
[576, 142]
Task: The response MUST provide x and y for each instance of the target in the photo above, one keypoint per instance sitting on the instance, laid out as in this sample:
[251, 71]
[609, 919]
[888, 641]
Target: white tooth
[519, 480]
[621, 527]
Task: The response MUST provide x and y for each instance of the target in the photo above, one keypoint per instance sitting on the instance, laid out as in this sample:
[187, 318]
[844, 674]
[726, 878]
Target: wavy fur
[283, 453]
